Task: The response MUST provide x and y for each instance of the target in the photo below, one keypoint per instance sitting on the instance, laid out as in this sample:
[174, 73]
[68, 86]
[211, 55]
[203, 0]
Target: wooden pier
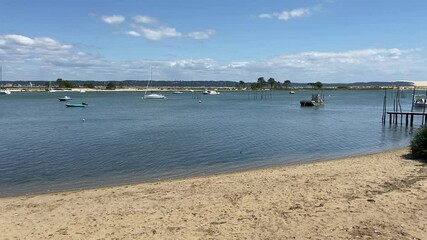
[409, 117]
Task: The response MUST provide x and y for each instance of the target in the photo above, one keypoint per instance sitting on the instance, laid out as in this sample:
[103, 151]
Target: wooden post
[412, 120]
[406, 122]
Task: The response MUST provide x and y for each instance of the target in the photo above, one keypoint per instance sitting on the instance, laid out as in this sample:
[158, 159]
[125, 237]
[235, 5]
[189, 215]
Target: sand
[377, 196]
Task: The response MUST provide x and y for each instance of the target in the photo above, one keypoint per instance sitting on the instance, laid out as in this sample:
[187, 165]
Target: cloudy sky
[300, 40]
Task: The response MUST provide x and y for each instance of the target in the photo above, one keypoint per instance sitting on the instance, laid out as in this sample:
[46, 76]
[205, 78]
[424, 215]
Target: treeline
[260, 83]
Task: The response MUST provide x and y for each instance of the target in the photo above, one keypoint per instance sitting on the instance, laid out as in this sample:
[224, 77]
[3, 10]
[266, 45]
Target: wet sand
[376, 196]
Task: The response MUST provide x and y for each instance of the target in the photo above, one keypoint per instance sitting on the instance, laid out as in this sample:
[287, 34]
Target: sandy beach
[376, 196]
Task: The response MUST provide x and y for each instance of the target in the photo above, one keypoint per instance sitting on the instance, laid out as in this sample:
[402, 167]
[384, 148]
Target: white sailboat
[152, 95]
[51, 89]
[3, 91]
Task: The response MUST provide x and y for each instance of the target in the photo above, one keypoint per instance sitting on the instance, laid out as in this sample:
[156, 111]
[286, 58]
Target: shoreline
[189, 177]
[371, 196]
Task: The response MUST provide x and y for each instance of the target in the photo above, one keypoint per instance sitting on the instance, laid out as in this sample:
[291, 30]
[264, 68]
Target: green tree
[64, 83]
[318, 85]
[111, 86]
[89, 85]
[287, 83]
[242, 84]
[271, 81]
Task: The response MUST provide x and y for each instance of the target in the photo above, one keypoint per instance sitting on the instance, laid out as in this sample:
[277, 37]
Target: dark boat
[316, 100]
[66, 98]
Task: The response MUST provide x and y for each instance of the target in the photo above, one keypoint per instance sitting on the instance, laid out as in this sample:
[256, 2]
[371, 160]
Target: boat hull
[154, 96]
[76, 104]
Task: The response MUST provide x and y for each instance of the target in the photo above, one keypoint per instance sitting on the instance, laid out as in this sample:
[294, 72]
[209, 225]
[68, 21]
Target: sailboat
[3, 91]
[51, 89]
[152, 95]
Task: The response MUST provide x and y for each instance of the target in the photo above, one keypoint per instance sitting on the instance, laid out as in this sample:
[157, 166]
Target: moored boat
[210, 92]
[4, 91]
[316, 100]
[420, 101]
[77, 104]
[154, 96]
[65, 98]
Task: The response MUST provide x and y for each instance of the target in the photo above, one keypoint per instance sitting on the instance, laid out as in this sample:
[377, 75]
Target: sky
[331, 41]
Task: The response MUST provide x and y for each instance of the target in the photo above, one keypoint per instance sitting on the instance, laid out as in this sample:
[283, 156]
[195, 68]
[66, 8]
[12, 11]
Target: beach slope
[376, 196]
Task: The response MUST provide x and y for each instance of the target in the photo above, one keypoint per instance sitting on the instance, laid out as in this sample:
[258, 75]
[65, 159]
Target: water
[121, 138]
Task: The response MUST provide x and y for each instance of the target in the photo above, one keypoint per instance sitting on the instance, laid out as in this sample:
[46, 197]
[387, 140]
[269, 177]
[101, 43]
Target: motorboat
[4, 91]
[420, 101]
[65, 98]
[292, 92]
[316, 100]
[77, 104]
[210, 92]
[178, 92]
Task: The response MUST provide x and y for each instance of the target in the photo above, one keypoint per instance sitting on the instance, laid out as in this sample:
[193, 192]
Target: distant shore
[196, 89]
[374, 196]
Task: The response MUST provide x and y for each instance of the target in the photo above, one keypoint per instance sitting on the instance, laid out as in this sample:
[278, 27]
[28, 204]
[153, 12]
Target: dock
[409, 117]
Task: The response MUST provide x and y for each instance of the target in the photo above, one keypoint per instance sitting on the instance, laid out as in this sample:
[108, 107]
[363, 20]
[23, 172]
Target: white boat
[51, 89]
[152, 95]
[292, 92]
[65, 98]
[178, 92]
[420, 101]
[210, 92]
[3, 91]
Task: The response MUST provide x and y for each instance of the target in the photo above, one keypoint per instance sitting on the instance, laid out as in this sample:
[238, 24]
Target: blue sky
[300, 40]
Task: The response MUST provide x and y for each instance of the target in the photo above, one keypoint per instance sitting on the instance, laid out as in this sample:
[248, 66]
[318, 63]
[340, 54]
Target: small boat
[77, 104]
[316, 100]
[4, 91]
[66, 98]
[291, 92]
[154, 96]
[420, 101]
[178, 92]
[210, 92]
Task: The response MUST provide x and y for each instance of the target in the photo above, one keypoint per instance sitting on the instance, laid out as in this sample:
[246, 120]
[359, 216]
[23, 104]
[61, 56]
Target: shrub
[419, 144]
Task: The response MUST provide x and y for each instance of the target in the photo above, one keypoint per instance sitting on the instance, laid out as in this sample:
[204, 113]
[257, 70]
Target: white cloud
[151, 29]
[296, 13]
[54, 59]
[113, 19]
[202, 34]
[287, 15]
[144, 19]
[133, 33]
[159, 33]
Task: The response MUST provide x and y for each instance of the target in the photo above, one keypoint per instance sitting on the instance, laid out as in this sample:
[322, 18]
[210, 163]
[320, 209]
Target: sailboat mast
[148, 83]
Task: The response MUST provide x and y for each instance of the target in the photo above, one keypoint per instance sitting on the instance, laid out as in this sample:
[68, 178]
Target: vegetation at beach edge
[419, 144]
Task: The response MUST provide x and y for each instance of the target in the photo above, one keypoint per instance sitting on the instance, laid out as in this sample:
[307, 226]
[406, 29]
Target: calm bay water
[121, 138]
